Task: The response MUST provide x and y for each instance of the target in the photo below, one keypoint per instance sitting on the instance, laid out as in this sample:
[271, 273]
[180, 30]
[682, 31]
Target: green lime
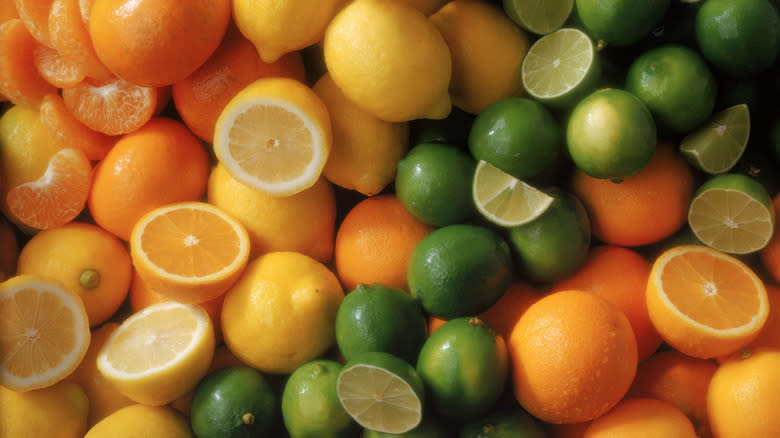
[433, 183]
[380, 318]
[611, 134]
[555, 244]
[233, 402]
[464, 367]
[459, 270]
[505, 200]
[311, 406]
[561, 68]
[518, 135]
[620, 22]
[739, 37]
[733, 213]
[539, 16]
[453, 129]
[676, 27]
[676, 84]
[428, 428]
[381, 392]
[717, 146]
[516, 423]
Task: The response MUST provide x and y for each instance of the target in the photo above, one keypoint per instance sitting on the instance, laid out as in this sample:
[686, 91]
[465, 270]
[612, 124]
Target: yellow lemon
[142, 421]
[388, 58]
[282, 312]
[59, 410]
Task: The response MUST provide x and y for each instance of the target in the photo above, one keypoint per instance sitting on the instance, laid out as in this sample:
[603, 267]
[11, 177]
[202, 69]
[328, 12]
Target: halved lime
[505, 200]
[539, 16]
[733, 213]
[381, 392]
[717, 145]
[561, 67]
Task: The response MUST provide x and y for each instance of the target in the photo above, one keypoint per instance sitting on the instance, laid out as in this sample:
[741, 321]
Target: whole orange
[573, 357]
[641, 418]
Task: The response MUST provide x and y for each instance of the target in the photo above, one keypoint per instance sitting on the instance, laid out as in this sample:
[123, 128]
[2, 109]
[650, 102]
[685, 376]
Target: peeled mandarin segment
[69, 35]
[55, 69]
[70, 132]
[35, 15]
[20, 81]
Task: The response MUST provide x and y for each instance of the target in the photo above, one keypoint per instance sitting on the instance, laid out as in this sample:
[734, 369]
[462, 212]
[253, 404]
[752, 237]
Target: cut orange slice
[705, 303]
[58, 196]
[20, 81]
[44, 332]
[190, 252]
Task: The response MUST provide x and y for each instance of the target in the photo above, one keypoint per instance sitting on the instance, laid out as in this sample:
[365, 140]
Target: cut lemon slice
[160, 353]
[716, 146]
[539, 16]
[44, 332]
[275, 135]
[506, 200]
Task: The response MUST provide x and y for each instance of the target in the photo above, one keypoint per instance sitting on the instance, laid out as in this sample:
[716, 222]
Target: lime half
[717, 145]
[561, 67]
[732, 213]
[505, 200]
[381, 392]
[539, 16]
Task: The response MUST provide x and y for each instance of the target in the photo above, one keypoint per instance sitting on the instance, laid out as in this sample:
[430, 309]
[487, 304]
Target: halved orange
[70, 132]
[705, 303]
[55, 69]
[44, 332]
[190, 252]
[20, 81]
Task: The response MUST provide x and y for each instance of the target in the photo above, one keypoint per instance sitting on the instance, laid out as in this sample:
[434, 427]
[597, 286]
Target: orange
[678, 379]
[573, 357]
[35, 15]
[156, 42]
[69, 35]
[8, 11]
[55, 69]
[20, 81]
[619, 275]
[160, 163]
[641, 209]
[769, 336]
[69, 132]
[575, 430]
[743, 396]
[9, 249]
[642, 418]
[705, 303]
[201, 96]
[770, 255]
[86, 259]
[375, 242]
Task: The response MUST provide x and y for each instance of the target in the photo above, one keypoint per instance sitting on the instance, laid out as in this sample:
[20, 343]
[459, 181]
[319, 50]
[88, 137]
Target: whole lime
[460, 270]
[514, 423]
[380, 318]
[620, 22]
[233, 402]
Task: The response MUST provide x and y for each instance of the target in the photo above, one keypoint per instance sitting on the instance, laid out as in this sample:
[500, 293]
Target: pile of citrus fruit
[389, 218]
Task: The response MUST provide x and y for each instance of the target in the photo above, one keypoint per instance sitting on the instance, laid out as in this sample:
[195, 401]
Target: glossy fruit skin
[515, 423]
[233, 402]
[620, 23]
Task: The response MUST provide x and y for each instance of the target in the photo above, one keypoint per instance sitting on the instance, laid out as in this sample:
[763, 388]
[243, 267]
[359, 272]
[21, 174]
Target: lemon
[160, 353]
[282, 311]
[427, 7]
[366, 150]
[275, 136]
[59, 410]
[142, 421]
[390, 59]
[487, 50]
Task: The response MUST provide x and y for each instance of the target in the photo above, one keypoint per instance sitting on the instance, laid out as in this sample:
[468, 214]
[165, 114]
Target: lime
[381, 392]
[561, 68]
[611, 134]
[233, 402]
[676, 84]
[733, 213]
[620, 22]
[556, 243]
[454, 129]
[464, 367]
[717, 146]
[433, 183]
[518, 135]
[379, 318]
[311, 406]
[539, 16]
[505, 200]
[739, 37]
[428, 428]
[460, 270]
[516, 423]
[676, 27]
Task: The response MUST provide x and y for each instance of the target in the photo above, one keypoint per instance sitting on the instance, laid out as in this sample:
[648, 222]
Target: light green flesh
[719, 144]
[557, 63]
[541, 16]
[506, 200]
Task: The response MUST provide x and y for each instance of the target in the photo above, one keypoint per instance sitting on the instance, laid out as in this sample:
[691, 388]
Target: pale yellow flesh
[717, 145]
[730, 221]
[543, 16]
[506, 200]
[556, 63]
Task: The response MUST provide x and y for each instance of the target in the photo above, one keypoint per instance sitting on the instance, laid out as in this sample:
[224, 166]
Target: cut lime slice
[539, 16]
[717, 145]
[381, 392]
[505, 200]
[732, 213]
[561, 67]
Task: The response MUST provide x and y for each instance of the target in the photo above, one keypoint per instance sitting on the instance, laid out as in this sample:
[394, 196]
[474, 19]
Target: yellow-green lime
[733, 213]
[620, 22]
[717, 146]
[561, 67]
[539, 16]
[429, 427]
[381, 392]
[311, 406]
[509, 423]
[505, 200]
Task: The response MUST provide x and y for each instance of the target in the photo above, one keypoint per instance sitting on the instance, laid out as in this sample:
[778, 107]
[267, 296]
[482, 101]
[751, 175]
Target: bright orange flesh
[69, 35]
[70, 132]
[35, 15]
[55, 69]
[20, 81]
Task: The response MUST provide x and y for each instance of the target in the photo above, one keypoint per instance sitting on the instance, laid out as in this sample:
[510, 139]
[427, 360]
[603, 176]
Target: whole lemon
[141, 420]
[59, 410]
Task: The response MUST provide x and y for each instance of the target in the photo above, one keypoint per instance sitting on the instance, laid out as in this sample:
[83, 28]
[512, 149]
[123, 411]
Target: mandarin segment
[69, 35]
[70, 132]
[55, 69]
[20, 81]
[35, 15]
